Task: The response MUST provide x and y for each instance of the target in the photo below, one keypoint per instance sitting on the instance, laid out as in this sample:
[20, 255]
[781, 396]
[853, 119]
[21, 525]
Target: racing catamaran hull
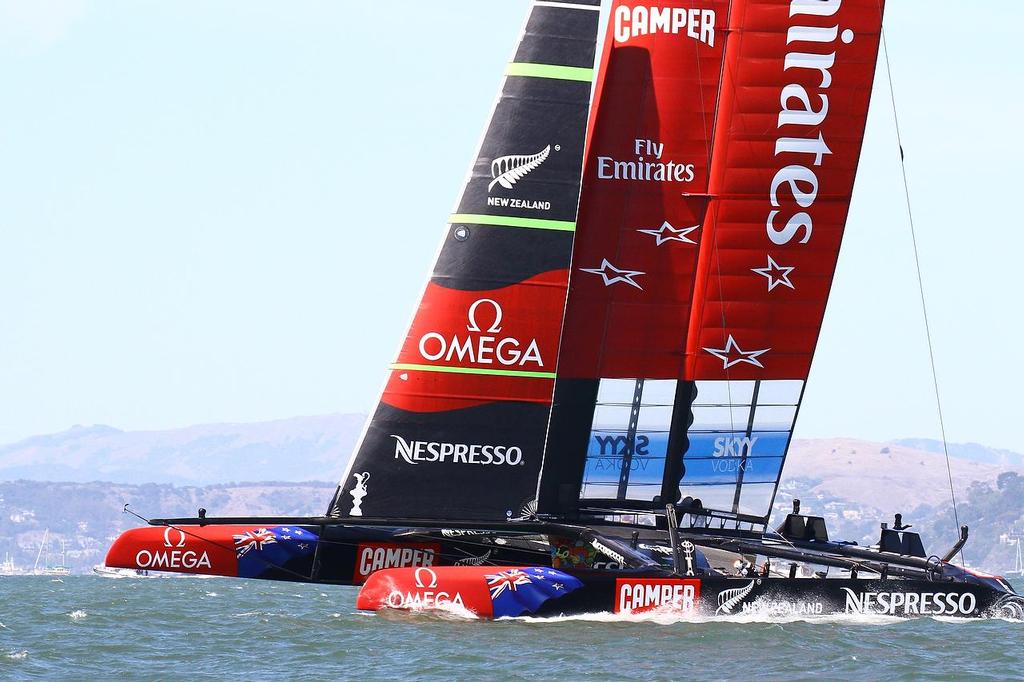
[551, 569]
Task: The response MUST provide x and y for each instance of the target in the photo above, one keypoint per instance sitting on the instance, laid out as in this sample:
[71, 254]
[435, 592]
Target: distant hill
[854, 483]
[969, 451]
[317, 448]
[297, 449]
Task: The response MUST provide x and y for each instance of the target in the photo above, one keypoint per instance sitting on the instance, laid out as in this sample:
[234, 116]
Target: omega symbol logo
[167, 537]
[474, 326]
[419, 578]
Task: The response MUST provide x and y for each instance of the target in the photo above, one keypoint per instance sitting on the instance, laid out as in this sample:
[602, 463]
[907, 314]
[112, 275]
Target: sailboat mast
[39, 554]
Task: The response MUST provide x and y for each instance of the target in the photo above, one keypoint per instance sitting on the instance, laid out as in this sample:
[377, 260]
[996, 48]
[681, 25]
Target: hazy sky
[225, 211]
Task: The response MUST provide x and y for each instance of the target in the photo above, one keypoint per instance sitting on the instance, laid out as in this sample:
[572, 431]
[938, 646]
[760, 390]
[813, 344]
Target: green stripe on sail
[512, 221]
[565, 73]
[474, 370]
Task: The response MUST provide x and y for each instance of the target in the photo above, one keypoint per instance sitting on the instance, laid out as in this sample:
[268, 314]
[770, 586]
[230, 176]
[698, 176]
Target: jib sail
[459, 430]
[728, 293]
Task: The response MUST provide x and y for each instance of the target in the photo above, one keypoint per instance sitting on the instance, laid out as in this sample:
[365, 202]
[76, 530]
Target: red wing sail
[711, 316]
[645, 197]
[794, 104]
[459, 431]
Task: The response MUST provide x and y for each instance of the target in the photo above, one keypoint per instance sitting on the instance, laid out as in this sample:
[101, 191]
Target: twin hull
[448, 572]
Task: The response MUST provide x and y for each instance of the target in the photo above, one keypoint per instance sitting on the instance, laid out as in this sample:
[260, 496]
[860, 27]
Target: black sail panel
[460, 427]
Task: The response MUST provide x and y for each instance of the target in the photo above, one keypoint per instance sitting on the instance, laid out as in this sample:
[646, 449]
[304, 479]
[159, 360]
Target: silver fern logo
[474, 560]
[730, 599]
[508, 170]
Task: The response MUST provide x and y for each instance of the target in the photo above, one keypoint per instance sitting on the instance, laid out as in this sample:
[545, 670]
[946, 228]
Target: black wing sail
[459, 430]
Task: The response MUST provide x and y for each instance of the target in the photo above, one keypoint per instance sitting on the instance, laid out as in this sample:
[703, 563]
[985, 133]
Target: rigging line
[920, 286]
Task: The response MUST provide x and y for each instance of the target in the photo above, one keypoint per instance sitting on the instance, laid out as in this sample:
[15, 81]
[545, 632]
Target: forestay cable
[920, 287]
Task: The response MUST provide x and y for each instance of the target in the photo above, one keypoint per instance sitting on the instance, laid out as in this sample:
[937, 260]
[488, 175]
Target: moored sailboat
[592, 408]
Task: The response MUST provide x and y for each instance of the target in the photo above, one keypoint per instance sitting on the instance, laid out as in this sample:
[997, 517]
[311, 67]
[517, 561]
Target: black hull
[729, 597]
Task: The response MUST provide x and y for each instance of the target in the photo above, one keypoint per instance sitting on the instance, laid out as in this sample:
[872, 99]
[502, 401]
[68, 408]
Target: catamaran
[593, 405]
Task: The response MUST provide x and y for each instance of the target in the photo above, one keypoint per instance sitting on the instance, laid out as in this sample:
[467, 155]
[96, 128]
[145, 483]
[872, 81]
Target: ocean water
[100, 628]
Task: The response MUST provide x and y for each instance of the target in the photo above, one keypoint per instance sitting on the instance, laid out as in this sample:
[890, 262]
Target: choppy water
[88, 627]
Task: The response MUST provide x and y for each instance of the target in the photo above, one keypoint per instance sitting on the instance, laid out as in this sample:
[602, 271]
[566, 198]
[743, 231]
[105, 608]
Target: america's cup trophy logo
[358, 493]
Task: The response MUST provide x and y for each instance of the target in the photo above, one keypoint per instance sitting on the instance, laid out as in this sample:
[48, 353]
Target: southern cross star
[667, 233]
[777, 274]
[611, 274]
[731, 355]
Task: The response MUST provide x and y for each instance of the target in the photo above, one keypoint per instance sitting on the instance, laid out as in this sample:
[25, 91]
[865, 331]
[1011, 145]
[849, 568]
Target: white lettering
[643, 21]
[418, 452]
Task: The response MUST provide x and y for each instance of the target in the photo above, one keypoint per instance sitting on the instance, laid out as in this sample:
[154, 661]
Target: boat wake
[767, 613]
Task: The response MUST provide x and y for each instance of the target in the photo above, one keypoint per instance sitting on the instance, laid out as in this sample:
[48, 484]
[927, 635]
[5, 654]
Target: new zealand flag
[520, 591]
[262, 550]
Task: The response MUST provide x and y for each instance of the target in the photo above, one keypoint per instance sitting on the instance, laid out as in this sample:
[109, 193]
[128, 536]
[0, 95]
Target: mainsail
[697, 294]
[460, 427]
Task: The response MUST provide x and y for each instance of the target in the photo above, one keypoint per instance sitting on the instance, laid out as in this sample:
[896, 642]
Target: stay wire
[920, 287]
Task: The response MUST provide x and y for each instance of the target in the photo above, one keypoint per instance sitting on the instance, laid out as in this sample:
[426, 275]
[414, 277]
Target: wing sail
[696, 299]
[459, 430]
[635, 260]
[795, 94]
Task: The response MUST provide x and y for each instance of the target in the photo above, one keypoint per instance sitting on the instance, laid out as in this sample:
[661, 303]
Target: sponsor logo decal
[420, 452]
[426, 595]
[667, 233]
[911, 603]
[507, 171]
[174, 555]
[785, 608]
[804, 109]
[474, 560]
[483, 345]
[358, 492]
[611, 451]
[648, 594]
[647, 167]
[728, 600]
[177, 534]
[777, 275]
[613, 275]
[375, 556]
[635, 22]
[175, 558]
[733, 355]
[732, 453]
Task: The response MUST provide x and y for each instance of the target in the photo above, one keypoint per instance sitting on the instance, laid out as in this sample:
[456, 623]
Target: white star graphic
[776, 274]
[667, 233]
[732, 349]
[611, 274]
[558, 586]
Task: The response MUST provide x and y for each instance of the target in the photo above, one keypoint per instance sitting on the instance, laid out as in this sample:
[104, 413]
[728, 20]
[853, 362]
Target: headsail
[701, 329]
[460, 427]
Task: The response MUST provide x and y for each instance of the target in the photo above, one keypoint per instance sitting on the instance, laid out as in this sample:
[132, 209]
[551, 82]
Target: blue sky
[225, 211]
